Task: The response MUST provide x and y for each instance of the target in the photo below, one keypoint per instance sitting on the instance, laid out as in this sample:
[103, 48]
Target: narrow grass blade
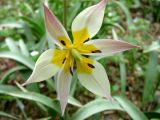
[122, 74]
[12, 70]
[127, 13]
[23, 48]
[18, 57]
[150, 78]
[4, 114]
[34, 25]
[12, 45]
[74, 101]
[73, 84]
[12, 24]
[29, 35]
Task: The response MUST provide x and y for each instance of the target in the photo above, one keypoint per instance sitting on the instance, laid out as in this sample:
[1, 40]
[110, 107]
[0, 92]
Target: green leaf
[127, 13]
[29, 36]
[113, 24]
[41, 44]
[11, 24]
[18, 57]
[34, 25]
[153, 47]
[100, 105]
[12, 91]
[122, 74]
[150, 77]
[95, 106]
[152, 115]
[73, 84]
[47, 118]
[74, 102]
[131, 109]
[4, 114]
[10, 71]
[73, 13]
[23, 48]
[12, 45]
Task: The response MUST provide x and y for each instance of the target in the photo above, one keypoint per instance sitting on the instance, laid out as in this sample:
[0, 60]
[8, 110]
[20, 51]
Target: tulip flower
[71, 57]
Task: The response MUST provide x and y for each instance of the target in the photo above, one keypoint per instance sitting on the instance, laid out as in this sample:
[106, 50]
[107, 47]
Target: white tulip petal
[106, 47]
[45, 56]
[97, 81]
[63, 87]
[54, 29]
[44, 68]
[91, 19]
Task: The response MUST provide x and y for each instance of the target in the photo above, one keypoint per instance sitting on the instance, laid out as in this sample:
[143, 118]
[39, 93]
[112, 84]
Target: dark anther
[86, 40]
[90, 65]
[87, 56]
[63, 42]
[52, 78]
[64, 60]
[96, 51]
[71, 71]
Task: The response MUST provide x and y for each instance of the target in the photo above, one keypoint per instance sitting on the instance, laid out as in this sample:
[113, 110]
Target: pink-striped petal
[106, 47]
[54, 29]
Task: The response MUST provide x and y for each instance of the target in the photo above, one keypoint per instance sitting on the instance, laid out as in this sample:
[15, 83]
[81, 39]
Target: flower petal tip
[27, 82]
[135, 46]
[63, 109]
[45, 3]
[23, 84]
[128, 45]
[103, 3]
[46, 9]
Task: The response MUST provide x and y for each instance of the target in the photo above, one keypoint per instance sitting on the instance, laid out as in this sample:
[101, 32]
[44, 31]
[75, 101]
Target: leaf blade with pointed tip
[4, 114]
[18, 57]
[13, 91]
[14, 69]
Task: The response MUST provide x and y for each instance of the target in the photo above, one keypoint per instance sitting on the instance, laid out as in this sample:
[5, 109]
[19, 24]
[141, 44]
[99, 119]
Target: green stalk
[65, 13]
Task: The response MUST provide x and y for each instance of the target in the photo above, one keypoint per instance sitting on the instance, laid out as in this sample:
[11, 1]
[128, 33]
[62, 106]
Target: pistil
[76, 54]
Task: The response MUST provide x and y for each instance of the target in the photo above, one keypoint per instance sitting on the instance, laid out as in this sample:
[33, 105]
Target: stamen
[86, 40]
[63, 42]
[71, 71]
[87, 56]
[64, 60]
[90, 65]
[96, 51]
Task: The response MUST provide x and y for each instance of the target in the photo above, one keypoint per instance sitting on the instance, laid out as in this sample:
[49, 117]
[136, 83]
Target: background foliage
[134, 75]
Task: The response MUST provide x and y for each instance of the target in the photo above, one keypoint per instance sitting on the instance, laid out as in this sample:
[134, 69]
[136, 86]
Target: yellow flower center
[74, 51]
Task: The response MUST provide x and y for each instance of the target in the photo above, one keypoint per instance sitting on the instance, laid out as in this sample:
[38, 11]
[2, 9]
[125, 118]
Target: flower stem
[65, 13]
